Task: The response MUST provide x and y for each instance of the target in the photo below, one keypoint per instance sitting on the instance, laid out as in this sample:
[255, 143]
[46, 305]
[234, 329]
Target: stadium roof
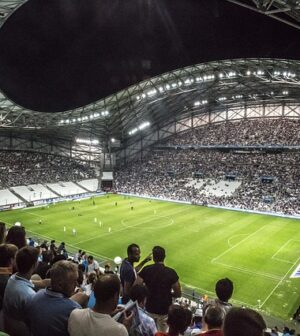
[190, 90]
[286, 11]
[172, 96]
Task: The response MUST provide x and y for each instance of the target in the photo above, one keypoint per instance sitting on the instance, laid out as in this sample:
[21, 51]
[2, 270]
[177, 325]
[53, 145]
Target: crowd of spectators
[259, 131]
[71, 298]
[24, 168]
[165, 172]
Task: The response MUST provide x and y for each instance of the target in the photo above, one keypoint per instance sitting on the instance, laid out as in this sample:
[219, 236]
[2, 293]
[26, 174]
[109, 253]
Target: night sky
[58, 55]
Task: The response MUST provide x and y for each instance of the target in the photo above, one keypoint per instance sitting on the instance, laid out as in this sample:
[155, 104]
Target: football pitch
[258, 253]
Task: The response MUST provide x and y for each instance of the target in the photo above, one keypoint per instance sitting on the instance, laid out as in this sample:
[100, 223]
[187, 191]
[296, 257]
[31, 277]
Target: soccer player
[65, 229]
[74, 232]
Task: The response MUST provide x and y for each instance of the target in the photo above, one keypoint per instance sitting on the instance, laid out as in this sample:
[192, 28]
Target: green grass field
[259, 253]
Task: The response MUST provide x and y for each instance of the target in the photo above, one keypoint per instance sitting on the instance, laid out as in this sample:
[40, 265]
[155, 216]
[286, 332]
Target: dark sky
[58, 55]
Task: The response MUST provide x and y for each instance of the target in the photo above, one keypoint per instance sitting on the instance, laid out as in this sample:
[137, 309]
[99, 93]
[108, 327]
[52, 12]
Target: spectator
[92, 266]
[177, 321]
[16, 235]
[107, 269]
[213, 319]
[196, 327]
[19, 290]
[88, 322]
[49, 309]
[2, 232]
[163, 284]
[7, 255]
[147, 326]
[128, 271]
[243, 322]
[224, 290]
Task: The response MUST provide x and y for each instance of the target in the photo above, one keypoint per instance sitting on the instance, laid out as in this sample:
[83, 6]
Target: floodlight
[197, 103]
[248, 73]
[112, 140]
[285, 92]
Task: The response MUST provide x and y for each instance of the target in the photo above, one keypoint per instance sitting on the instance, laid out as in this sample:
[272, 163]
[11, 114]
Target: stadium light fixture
[197, 103]
[112, 140]
[231, 74]
[221, 75]
[161, 89]
[248, 72]
[104, 113]
[89, 142]
[139, 128]
[285, 92]
[222, 98]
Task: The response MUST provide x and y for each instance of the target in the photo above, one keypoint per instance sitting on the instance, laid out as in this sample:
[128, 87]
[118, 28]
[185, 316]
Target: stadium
[202, 160]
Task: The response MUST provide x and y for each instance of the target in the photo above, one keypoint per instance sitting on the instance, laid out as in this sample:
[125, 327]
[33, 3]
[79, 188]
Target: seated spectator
[7, 255]
[16, 235]
[19, 290]
[177, 321]
[89, 289]
[88, 322]
[107, 269]
[213, 319]
[196, 327]
[49, 309]
[243, 322]
[147, 326]
[44, 265]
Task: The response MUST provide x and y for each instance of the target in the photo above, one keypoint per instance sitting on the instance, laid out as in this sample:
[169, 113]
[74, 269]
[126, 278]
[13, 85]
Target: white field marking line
[123, 229]
[123, 222]
[237, 235]
[274, 289]
[283, 246]
[239, 243]
[33, 214]
[247, 271]
[74, 247]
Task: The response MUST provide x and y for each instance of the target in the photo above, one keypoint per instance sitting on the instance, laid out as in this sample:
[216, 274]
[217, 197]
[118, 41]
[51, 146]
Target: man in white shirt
[98, 321]
[93, 266]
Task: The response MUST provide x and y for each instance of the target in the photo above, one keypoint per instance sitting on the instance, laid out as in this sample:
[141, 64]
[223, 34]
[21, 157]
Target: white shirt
[86, 322]
[92, 267]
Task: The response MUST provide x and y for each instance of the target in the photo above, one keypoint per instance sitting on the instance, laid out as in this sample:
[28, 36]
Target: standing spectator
[224, 290]
[128, 272]
[19, 290]
[147, 326]
[53, 248]
[62, 250]
[163, 284]
[98, 321]
[213, 319]
[16, 235]
[77, 256]
[50, 308]
[92, 266]
[243, 322]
